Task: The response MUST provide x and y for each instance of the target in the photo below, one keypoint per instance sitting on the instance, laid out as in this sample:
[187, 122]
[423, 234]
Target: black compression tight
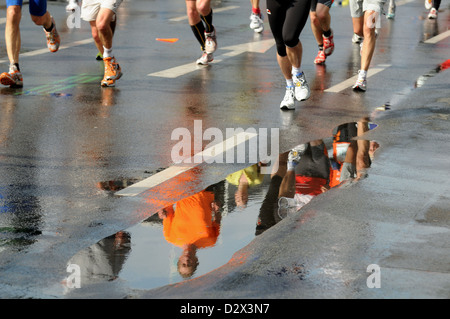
[287, 19]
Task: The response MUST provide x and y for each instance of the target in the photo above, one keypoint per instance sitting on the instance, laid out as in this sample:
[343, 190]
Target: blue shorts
[37, 7]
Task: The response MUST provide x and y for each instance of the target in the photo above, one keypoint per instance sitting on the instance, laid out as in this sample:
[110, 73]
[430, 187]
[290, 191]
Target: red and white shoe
[320, 58]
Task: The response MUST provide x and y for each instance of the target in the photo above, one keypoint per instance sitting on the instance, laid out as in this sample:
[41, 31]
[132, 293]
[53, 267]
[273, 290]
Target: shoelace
[111, 66]
[288, 94]
[51, 35]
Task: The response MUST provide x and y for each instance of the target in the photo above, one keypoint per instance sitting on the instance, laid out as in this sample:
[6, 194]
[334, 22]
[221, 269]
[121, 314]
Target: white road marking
[175, 170]
[43, 51]
[257, 47]
[439, 37]
[2, 20]
[402, 2]
[349, 82]
[216, 10]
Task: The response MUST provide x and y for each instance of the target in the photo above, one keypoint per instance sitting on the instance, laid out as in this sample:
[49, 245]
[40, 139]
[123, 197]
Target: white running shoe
[72, 6]
[433, 14]
[302, 91]
[296, 153]
[356, 38]
[361, 83]
[391, 12]
[205, 58]
[256, 23]
[288, 102]
[211, 41]
[428, 4]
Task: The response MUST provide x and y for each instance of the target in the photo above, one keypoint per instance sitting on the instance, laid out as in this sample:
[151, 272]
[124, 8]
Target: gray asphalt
[62, 134]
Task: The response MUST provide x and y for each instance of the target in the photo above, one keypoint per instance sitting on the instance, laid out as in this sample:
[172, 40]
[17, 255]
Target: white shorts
[358, 7]
[90, 8]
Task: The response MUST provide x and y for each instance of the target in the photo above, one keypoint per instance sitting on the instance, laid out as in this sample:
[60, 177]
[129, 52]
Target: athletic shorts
[358, 7]
[90, 8]
[37, 7]
[314, 3]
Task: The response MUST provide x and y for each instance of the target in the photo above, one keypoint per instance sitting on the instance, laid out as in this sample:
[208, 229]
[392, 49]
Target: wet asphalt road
[62, 134]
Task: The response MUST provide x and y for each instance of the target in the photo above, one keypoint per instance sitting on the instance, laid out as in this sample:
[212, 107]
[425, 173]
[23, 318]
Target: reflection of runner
[341, 141]
[193, 223]
[41, 17]
[244, 179]
[104, 260]
[358, 157]
[308, 173]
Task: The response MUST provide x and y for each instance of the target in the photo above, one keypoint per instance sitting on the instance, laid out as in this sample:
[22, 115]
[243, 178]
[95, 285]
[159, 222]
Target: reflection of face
[187, 263]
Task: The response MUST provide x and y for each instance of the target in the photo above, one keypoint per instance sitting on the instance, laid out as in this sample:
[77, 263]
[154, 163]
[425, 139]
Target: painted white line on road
[439, 37]
[211, 152]
[216, 10]
[349, 82]
[257, 47]
[402, 2]
[44, 51]
[2, 20]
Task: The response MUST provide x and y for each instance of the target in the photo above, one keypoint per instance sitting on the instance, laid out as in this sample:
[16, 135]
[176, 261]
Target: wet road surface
[62, 136]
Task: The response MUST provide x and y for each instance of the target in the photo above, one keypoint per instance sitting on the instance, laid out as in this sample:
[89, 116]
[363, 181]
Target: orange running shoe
[53, 39]
[13, 78]
[113, 72]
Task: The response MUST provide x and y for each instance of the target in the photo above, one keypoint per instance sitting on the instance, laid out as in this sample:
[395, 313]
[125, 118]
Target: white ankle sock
[107, 53]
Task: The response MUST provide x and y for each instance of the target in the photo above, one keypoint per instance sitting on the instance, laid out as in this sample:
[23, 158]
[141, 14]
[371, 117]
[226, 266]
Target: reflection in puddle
[201, 232]
[423, 78]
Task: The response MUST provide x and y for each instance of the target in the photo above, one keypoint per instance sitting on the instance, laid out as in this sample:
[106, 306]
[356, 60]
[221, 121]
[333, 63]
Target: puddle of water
[201, 232]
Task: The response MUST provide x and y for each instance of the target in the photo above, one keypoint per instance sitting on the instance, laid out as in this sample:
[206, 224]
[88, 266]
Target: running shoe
[320, 58]
[113, 72]
[356, 38]
[53, 39]
[302, 91]
[99, 57]
[72, 6]
[428, 4]
[13, 78]
[361, 84]
[205, 58]
[433, 14]
[391, 12]
[288, 102]
[328, 44]
[256, 22]
[211, 41]
[296, 153]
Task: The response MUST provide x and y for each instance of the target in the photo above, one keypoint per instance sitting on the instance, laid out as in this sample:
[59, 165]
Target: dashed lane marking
[233, 50]
[439, 37]
[44, 51]
[349, 82]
